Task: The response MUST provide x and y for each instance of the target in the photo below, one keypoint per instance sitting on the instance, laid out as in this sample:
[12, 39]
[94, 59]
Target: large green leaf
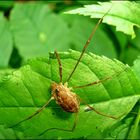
[5, 42]
[123, 14]
[26, 89]
[37, 30]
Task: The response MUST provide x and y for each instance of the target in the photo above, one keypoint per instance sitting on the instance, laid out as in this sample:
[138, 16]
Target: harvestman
[63, 95]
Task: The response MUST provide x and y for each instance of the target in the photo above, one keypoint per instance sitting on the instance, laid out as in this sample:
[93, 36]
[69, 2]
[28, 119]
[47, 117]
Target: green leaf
[27, 89]
[5, 42]
[37, 30]
[121, 14]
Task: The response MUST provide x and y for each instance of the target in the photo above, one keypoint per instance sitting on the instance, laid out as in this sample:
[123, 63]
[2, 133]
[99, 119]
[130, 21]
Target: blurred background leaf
[6, 42]
[40, 27]
[37, 30]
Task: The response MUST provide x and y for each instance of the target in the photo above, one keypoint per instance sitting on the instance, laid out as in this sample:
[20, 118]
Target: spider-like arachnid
[63, 94]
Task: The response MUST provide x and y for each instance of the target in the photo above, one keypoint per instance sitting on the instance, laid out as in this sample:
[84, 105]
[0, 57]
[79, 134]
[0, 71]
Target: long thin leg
[60, 65]
[87, 43]
[112, 117]
[61, 129]
[93, 83]
[35, 113]
[100, 81]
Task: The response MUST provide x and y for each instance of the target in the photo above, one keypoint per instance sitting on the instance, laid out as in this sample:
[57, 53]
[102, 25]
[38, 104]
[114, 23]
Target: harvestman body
[63, 95]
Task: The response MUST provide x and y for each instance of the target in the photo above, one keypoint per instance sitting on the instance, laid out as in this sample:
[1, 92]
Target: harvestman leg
[93, 83]
[35, 113]
[87, 43]
[100, 81]
[68, 130]
[40, 109]
[92, 108]
[60, 65]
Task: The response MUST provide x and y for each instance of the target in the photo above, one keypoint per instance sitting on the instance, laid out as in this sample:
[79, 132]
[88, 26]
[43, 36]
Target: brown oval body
[65, 97]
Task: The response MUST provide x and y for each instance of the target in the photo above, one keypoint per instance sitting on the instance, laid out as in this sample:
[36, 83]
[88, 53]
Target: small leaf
[121, 14]
[6, 42]
[27, 89]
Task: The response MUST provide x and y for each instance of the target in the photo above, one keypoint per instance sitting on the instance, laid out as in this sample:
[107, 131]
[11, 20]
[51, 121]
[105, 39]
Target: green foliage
[115, 16]
[6, 42]
[36, 30]
[35, 22]
[31, 30]
[28, 88]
